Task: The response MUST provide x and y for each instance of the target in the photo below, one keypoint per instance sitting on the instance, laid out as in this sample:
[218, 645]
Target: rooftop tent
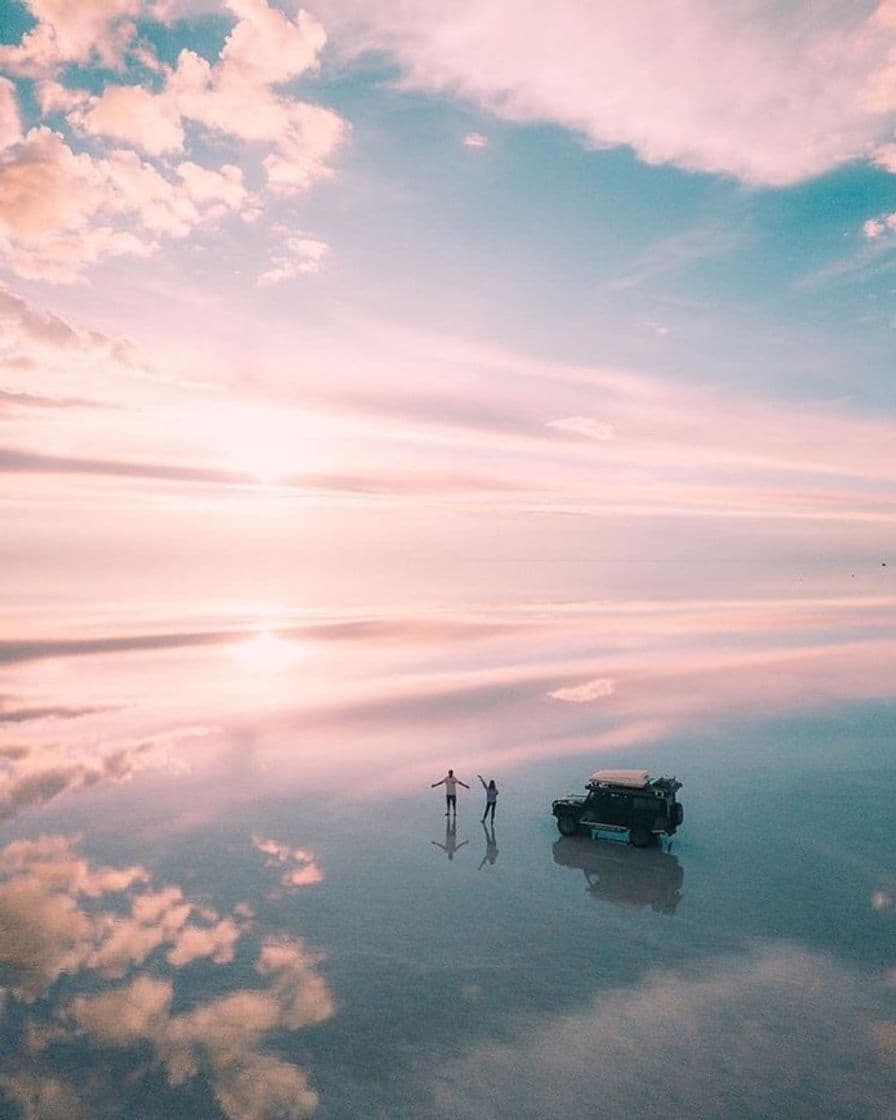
[635, 778]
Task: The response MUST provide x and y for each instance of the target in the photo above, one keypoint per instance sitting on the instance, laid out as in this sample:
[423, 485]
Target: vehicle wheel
[567, 825]
[639, 836]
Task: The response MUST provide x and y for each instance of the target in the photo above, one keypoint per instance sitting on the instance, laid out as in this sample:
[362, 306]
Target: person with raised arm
[450, 783]
[491, 797]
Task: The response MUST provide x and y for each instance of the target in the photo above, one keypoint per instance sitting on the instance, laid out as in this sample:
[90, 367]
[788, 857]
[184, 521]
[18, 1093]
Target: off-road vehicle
[622, 801]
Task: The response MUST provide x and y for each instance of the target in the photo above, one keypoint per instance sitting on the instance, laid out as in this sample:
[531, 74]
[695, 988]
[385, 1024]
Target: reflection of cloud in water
[781, 1033]
[626, 876]
[585, 693]
[297, 866]
[32, 776]
[46, 929]
[638, 671]
[61, 914]
[223, 1036]
[34, 712]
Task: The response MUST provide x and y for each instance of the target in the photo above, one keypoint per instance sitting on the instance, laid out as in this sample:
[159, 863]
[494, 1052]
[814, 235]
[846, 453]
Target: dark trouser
[489, 808]
[451, 802]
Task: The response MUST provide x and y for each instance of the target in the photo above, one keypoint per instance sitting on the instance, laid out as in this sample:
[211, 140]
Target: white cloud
[222, 1037]
[885, 157]
[585, 693]
[475, 140]
[769, 94]
[66, 32]
[46, 931]
[206, 186]
[10, 121]
[215, 942]
[52, 97]
[753, 1029]
[266, 47]
[298, 256]
[584, 426]
[877, 227]
[234, 96]
[60, 211]
[137, 116]
[297, 866]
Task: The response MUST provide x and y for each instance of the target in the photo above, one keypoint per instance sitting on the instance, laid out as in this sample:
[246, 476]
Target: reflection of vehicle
[615, 873]
[622, 801]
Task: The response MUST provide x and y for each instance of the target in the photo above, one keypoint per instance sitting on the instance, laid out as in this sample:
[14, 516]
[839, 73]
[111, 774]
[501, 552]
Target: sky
[375, 304]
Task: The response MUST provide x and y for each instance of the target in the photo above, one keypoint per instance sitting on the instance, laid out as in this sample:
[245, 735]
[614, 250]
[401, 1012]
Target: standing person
[491, 797]
[450, 783]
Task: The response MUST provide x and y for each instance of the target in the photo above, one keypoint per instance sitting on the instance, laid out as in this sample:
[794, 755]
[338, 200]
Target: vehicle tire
[639, 836]
[567, 825]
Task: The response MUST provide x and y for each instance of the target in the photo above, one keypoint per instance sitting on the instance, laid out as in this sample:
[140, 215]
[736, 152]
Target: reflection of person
[491, 797]
[491, 846]
[450, 846]
[450, 783]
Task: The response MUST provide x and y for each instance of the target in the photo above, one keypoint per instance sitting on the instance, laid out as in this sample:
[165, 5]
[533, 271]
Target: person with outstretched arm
[450, 783]
[491, 797]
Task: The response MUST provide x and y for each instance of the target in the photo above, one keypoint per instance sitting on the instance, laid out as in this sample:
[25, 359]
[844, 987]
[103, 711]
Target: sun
[267, 652]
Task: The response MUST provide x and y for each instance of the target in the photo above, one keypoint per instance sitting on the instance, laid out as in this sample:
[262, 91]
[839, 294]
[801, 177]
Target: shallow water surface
[227, 888]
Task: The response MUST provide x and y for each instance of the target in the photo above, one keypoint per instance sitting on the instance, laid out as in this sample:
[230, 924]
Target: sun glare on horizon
[267, 652]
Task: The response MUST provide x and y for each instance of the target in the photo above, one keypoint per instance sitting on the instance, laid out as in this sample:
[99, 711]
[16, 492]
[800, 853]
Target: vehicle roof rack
[633, 779]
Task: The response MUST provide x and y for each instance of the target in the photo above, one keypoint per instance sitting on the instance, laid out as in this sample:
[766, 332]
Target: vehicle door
[596, 808]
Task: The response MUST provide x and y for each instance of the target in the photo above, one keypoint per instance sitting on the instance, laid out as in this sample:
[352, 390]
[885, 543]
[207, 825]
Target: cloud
[585, 693]
[89, 31]
[297, 867]
[475, 140]
[10, 121]
[31, 712]
[135, 115]
[15, 461]
[58, 210]
[40, 774]
[223, 1043]
[583, 426]
[63, 209]
[37, 400]
[370, 484]
[22, 322]
[213, 942]
[398, 629]
[877, 227]
[768, 94]
[46, 930]
[297, 256]
[222, 1038]
[234, 95]
[746, 1029]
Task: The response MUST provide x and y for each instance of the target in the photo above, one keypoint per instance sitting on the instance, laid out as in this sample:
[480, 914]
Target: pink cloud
[10, 121]
[295, 256]
[90, 30]
[147, 120]
[62, 210]
[770, 95]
